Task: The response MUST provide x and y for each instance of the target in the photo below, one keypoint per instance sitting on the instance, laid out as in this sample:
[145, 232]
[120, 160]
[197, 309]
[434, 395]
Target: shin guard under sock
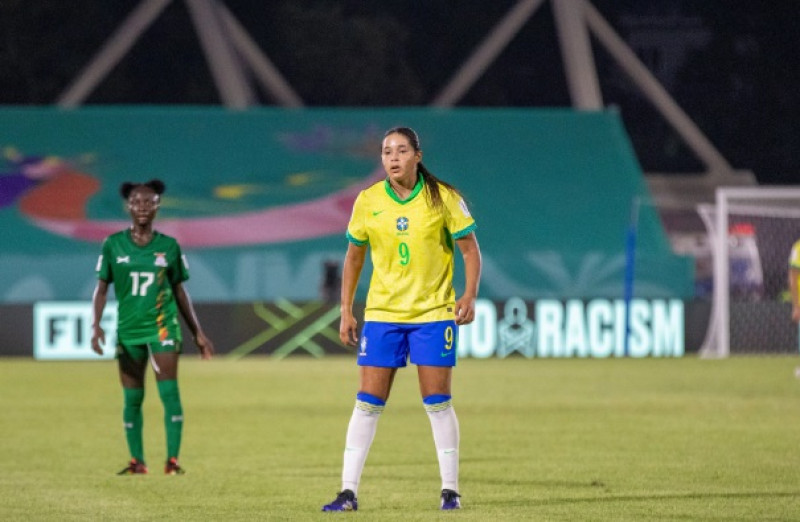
[173, 415]
[133, 421]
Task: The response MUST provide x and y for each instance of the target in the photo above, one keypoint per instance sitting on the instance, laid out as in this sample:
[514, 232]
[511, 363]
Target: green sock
[173, 415]
[132, 420]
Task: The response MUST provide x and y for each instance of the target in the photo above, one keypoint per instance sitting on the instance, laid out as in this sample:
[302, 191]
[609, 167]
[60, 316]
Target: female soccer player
[410, 221]
[148, 271]
[794, 277]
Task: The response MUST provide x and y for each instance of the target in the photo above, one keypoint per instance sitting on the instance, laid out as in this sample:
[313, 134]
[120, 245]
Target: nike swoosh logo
[375, 213]
[445, 354]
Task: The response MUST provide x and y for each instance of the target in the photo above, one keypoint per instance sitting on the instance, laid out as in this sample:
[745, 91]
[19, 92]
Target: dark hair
[434, 198]
[156, 185]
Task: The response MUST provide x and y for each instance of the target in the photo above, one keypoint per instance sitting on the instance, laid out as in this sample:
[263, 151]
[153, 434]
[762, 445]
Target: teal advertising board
[260, 199]
[545, 328]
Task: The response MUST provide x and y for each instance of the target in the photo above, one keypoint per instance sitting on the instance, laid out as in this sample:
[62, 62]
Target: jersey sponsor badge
[161, 258]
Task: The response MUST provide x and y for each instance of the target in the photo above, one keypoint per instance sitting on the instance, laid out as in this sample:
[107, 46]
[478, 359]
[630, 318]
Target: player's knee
[133, 397]
[169, 392]
[437, 402]
[369, 403]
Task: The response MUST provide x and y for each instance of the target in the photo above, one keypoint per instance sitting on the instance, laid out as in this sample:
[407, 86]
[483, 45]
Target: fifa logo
[363, 352]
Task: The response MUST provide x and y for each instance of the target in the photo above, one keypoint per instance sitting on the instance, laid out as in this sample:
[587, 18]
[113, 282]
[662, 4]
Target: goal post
[751, 231]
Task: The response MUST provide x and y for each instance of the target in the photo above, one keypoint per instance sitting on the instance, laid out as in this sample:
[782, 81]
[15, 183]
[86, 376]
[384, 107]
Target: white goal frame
[717, 341]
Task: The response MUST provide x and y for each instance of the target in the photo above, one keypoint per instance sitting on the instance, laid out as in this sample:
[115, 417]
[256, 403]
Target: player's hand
[98, 339]
[348, 332]
[465, 310]
[205, 345]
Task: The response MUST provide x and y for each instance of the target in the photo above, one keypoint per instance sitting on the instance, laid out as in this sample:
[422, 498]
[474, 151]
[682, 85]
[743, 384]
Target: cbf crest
[402, 224]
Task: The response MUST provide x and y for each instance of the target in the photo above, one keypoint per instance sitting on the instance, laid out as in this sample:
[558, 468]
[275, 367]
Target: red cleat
[172, 467]
[134, 468]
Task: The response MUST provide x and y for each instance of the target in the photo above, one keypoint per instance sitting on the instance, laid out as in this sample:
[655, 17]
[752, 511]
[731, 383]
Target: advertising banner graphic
[259, 200]
[63, 330]
[544, 328]
[574, 328]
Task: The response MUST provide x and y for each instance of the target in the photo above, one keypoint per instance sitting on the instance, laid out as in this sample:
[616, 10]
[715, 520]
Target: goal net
[751, 307]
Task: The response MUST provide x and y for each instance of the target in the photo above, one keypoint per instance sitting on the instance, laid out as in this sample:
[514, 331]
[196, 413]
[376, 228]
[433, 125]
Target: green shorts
[139, 352]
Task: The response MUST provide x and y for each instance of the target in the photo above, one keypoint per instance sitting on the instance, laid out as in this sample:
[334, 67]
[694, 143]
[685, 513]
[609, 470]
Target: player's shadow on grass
[544, 483]
[533, 502]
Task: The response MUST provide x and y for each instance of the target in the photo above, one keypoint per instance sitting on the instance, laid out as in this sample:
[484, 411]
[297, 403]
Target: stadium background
[556, 429]
[553, 188]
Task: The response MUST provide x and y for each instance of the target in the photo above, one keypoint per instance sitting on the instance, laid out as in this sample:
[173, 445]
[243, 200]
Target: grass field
[652, 439]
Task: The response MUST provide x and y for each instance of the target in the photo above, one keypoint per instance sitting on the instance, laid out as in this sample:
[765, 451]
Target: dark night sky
[734, 67]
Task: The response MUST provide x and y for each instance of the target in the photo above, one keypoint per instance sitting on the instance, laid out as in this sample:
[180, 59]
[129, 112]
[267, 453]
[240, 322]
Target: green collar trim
[417, 189]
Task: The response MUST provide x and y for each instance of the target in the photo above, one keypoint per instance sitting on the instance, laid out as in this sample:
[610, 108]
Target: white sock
[444, 424]
[360, 433]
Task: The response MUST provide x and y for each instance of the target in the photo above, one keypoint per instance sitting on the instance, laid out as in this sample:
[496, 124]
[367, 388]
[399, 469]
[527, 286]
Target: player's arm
[471, 253]
[794, 273]
[99, 298]
[187, 311]
[351, 271]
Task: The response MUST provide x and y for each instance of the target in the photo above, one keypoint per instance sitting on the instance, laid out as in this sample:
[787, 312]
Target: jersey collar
[393, 195]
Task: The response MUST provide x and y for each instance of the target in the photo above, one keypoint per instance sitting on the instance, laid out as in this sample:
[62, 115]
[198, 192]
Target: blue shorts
[390, 345]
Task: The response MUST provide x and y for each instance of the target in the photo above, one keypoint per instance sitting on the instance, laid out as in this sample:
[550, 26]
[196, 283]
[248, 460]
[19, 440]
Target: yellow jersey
[794, 256]
[411, 248]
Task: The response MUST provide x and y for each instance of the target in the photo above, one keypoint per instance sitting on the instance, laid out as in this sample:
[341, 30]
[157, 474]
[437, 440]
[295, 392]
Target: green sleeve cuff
[464, 232]
[356, 241]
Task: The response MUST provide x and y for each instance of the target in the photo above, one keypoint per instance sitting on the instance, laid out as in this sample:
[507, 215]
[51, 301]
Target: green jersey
[143, 277]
